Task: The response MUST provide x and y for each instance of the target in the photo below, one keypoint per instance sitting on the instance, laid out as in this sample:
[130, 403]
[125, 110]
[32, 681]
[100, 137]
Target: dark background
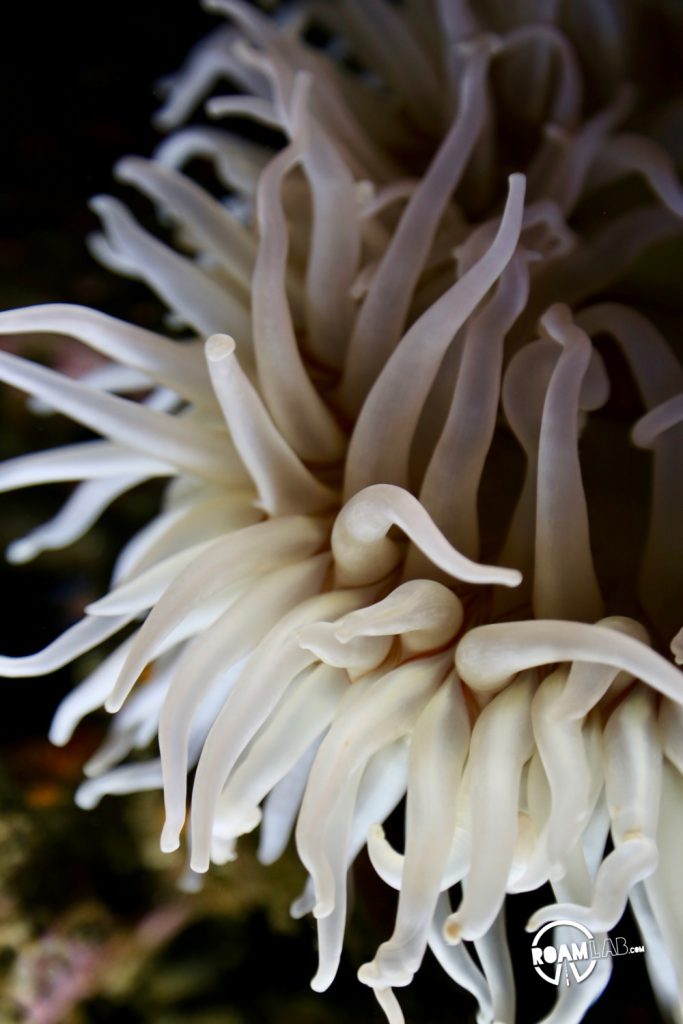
[77, 93]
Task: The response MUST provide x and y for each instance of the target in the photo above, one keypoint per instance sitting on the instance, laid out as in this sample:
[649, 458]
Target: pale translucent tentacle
[425, 615]
[135, 727]
[602, 258]
[78, 639]
[467, 434]
[663, 887]
[563, 753]
[587, 682]
[207, 62]
[92, 460]
[238, 161]
[457, 961]
[633, 767]
[381, 712]
[249, 552]
[334, 245]
[390, 1005]
[175, 364]
[339, 116]
[330, 927]
[182, 284]
[657, 421]
[177, 528]
[393, 407]
[525, 385]
[141, 593]
[382, 785]
[252, 108]
[657, 957]
[283, 483]
[265, 679]
[439, 743]
[297, 722]
[501, 744]
[671, 731]
[87, 696]
[626, 153]
[80, 511]
[363, 553]
[196, 450]
[127, 778]
[296, 407]
[494, 954]
[565, 582]
[281, 807]
[358, 656]
[210, 224]
[577, 150]
[383, 314]
[489, 656]
[391, 47]
[566, 104]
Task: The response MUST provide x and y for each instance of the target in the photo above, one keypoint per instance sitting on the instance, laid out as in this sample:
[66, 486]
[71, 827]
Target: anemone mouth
[390, 561]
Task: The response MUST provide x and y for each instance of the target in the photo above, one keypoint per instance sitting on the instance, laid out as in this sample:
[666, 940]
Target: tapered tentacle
[393, 406]
[488, 656]
[186, 445]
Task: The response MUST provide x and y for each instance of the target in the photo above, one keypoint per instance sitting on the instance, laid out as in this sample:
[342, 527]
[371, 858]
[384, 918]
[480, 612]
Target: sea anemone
[403, 357]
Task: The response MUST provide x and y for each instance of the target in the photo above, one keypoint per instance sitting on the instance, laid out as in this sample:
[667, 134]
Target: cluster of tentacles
[388, 370]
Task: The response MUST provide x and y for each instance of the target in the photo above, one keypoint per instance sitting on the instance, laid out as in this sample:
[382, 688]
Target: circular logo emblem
[573, 955]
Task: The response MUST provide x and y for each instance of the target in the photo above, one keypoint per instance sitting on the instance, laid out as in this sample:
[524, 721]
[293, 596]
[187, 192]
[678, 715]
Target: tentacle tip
[170, 838]
[92, 768]
[219, 347]
[321, 981]
[377, 975]
[59, 736]
[557, 872]
[297, 909]
[517, 183]
[20, 551]
[641, 434]
[98, 204]
[323, 908]
[124, 168]
[85, 800]
[267, 857]
[214, 107]
[513, 578]
[452, 930]
[162, 120]
[200, 862]
[369, 974]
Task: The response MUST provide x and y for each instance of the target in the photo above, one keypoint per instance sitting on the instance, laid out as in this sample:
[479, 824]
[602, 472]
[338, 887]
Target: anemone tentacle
[381, 567]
